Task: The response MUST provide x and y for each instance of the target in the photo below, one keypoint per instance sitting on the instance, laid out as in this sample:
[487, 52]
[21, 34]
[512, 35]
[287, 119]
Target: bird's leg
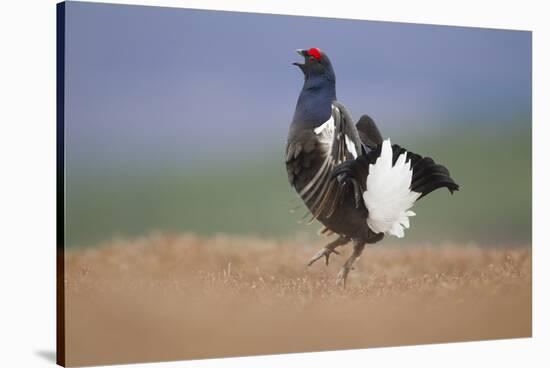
[328, 249]
[358, 247]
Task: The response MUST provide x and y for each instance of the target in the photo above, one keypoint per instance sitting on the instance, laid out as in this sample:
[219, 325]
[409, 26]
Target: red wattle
[315, 52]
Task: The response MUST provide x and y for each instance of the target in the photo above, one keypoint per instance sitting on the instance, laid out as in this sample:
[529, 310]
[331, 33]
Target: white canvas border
[27, 147]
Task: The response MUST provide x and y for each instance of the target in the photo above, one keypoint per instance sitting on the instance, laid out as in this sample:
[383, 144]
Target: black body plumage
[328, 159]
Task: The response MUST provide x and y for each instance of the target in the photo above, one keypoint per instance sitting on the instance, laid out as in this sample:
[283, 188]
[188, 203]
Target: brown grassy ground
[179, 297]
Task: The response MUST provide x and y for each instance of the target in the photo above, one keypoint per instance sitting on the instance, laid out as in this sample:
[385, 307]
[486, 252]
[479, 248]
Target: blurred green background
[492, 207]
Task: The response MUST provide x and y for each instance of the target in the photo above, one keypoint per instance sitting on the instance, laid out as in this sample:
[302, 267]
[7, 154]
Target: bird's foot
[325, 252]
[358, 247]
[343, 275]
[328, 250]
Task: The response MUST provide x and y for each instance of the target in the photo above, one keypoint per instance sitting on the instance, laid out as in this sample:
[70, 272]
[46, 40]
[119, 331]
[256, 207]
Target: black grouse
[356, 184]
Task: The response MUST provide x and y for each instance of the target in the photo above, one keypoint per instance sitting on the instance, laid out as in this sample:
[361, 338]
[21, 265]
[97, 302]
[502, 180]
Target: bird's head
[316, 64]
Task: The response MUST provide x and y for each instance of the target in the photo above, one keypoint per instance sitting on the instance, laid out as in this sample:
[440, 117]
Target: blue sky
[177, 84]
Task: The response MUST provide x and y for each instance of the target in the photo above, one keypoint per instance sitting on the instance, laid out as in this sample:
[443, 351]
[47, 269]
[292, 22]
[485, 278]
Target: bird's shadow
[48, 355]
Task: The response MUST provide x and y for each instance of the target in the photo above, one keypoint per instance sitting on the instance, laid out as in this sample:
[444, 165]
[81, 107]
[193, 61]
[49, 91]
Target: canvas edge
[60, 183]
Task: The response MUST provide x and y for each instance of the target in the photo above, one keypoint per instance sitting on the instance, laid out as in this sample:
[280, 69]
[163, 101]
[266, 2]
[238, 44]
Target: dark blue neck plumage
[314, 103]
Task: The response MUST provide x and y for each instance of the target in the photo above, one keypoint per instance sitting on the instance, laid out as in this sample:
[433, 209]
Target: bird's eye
[311, 58]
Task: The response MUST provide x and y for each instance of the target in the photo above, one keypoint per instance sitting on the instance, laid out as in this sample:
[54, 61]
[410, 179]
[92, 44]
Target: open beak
[303, 53]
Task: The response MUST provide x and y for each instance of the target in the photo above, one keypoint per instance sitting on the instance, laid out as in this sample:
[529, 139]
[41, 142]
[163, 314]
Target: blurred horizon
[176, 119]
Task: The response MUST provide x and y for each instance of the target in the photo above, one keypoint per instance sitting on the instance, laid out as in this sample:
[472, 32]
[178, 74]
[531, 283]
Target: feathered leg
[328, 249]
[358, 246]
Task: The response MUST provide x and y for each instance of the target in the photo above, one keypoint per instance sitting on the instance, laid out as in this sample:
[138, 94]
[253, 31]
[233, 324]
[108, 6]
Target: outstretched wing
[337, 141]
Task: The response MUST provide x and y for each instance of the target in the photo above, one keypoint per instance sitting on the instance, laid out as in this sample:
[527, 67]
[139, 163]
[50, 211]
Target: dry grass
[179, 297]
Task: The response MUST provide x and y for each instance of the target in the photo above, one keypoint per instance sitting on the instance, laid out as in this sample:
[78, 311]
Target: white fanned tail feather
[388, 196]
